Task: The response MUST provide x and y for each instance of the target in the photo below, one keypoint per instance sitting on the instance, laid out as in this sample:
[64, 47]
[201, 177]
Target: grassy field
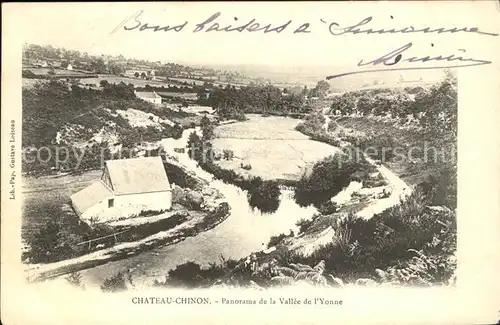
[116, 80]
[271, 146]
[198, 109]
[49, 194]
[45, 71]
[183, 95]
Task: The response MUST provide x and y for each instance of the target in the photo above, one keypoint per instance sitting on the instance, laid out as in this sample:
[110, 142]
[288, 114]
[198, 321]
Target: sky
[87, 28]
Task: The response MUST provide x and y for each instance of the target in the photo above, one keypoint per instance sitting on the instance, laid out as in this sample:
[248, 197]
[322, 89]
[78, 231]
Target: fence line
[107, 236]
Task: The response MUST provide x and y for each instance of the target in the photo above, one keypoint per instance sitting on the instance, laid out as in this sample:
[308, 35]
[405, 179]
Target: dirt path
[399, 190]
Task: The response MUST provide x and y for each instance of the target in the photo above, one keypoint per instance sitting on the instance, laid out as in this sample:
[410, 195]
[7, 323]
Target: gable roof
[147, 94]
[137, 175]
[89, 196]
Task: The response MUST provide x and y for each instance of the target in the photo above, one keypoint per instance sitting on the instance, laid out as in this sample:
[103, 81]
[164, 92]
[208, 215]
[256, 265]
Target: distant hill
[311, 75]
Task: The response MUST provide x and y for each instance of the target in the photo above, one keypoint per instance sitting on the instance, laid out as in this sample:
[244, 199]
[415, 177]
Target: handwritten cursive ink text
[395, 57]
[336, 30]
[145, 26]
[250, 26]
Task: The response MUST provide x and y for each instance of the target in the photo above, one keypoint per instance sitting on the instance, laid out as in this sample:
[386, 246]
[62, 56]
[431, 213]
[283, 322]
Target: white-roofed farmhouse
[127, 187]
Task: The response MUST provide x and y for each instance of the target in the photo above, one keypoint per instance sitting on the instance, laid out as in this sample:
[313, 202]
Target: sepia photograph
[214, 177]
[170, 151]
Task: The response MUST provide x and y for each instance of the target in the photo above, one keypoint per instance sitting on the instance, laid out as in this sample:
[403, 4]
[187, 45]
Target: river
[243, 232]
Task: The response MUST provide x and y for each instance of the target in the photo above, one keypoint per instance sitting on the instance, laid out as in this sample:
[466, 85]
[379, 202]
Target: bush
[75, 279]
[304, 224]
[115, 283]
[191, 275]
[228, 154]
[185, 275]
[275, 240]
[442, 188]
[328, 207]
[328, 178]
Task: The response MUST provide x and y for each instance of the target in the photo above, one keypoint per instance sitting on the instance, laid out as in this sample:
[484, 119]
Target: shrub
[328, 207]
[304, 224]
[186, 275]
[115, 283]
[328, 178]
[228, 154]
[442, 188]
[275, 240]
[246, 166]
[75, 279]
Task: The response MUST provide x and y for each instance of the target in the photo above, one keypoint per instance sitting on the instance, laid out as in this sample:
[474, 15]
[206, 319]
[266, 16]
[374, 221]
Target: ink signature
[395, 57]
[354, 29]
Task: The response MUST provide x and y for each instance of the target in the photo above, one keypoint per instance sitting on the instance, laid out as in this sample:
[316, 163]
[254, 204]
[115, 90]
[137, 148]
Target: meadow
[137, 82]
[45, 194]
[45, 71]
[270, 145]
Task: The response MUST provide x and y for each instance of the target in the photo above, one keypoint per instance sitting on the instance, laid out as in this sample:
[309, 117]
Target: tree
[207, 128]
[344, 103]
[195, 147]
[143, 75]
[266, 197]
[136, 74]
[98, 66]
[320, 90]
[104, 83]
[116, 69]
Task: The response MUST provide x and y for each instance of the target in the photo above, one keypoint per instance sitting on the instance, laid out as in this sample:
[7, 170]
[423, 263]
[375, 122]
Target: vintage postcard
[250, 162]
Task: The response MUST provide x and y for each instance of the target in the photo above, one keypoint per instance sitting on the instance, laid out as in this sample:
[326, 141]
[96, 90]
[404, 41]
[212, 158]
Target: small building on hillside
[126, 187]
[149, 96]
[69, 67]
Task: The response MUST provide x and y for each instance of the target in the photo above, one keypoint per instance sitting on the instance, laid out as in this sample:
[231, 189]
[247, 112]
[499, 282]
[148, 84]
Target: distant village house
[127, 187]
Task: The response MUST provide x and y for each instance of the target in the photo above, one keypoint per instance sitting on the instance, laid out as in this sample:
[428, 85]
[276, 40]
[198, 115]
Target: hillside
[57, 113]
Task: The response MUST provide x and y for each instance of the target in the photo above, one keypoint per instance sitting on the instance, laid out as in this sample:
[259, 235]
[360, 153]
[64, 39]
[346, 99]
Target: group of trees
[230, 102]
[321, 90]
[327, 178]
[434, 105]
